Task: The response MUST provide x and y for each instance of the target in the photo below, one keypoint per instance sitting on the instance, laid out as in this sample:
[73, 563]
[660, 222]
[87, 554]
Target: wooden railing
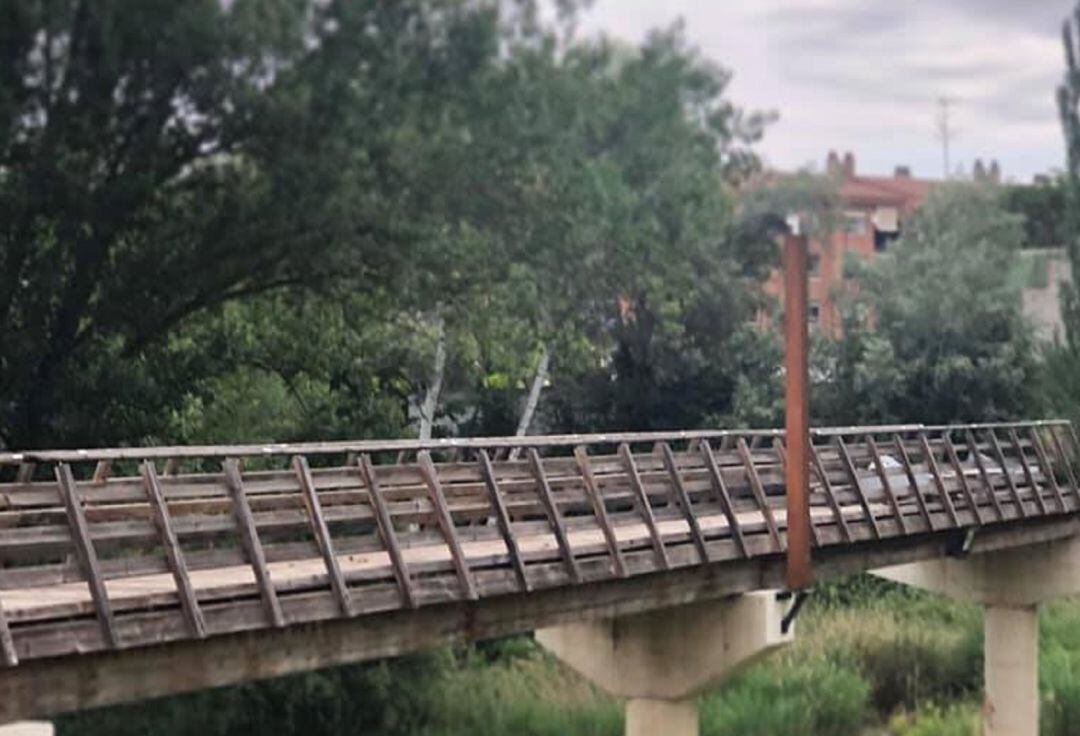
[119, 548]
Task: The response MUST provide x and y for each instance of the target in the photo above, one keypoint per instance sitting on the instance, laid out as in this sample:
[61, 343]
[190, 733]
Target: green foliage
[936, 332]
[954, 720]
[1042, 205]
[810, 699]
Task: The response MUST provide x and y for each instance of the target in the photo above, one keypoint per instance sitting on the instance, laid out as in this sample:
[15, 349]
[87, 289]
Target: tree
[149, 176]
[936, 333]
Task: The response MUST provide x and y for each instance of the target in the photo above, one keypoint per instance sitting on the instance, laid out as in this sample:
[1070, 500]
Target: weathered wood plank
[961, 478]
[860, 492]
[1045, 466]
[939, 483]
[249, 538]
[189, 604]
[984, 474]
[581, 455]
[1040, 502]
[446, 524]
[682, 498]
[644, 507]
[551, 508]
[913, 482]
[8, 654]
[830, 495]
[1066, 462]
[387, 531]
[759, 492]
[724, 496]
[321, 533]
[886, 484]
[84, 550]
[999, 454]
[502, 518]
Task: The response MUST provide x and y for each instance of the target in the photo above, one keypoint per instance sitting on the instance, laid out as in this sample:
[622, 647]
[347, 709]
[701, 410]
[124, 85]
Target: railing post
[796, 410]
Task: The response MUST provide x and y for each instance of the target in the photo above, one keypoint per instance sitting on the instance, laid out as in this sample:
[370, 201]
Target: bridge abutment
[660, 661]
[1010, 585]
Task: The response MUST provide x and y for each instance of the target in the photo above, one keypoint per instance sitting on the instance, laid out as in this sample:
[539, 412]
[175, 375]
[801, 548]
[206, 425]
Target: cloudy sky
[865, 75]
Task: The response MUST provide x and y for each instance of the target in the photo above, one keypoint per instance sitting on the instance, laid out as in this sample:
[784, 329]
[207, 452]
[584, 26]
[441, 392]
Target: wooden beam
[249, 538]
[958, 469]
[724, 497]
[592, 490]
[189, 604]
[1046, 467]
[860, 493]
[502, 518]
[1064, 455]
[84, 550]
[976, 458]
[547, 500]
[759, 492]
[939, 482]
[321, 532]
[886, 484]
[446, 524]
[913, 482]
[1000, 455]
[1040, 502]
[830, 495]
[387, 531]
[641, 501]
[8, 654]
[683, 501]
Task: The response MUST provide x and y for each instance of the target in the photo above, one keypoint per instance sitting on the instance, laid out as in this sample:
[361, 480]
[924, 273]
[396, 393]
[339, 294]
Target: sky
[866, 75]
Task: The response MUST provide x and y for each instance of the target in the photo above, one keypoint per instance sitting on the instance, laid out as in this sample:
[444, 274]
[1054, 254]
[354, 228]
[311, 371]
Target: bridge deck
[116, 550]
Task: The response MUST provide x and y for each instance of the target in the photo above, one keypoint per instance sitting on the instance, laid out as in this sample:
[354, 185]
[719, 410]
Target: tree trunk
[431, 398]
[527, 414]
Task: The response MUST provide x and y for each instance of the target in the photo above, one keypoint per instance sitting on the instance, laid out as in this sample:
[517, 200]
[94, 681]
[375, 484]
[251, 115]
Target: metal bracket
[799, 598]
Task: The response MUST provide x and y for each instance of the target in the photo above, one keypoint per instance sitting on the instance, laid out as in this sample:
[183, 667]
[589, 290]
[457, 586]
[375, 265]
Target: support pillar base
[650, 717]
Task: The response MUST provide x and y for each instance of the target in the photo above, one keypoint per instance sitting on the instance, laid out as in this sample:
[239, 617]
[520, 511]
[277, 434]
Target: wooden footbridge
[131, 573]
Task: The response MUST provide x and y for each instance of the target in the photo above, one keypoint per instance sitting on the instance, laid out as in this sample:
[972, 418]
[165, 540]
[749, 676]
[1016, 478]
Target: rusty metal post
[796, 410]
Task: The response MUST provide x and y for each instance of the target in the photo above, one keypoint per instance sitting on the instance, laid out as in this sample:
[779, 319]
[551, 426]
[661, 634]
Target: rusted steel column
[796, 410]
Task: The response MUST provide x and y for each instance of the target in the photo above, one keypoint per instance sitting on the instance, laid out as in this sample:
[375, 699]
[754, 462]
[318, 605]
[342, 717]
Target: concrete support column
[1010, 585]
[650, 717]
[661, 661]
[1011, 704]
[27, 728]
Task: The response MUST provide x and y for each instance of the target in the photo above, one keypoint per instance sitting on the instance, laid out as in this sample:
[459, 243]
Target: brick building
[871, 213]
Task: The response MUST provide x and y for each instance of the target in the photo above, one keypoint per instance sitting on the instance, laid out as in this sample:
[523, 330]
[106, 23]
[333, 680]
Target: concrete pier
[662, 660]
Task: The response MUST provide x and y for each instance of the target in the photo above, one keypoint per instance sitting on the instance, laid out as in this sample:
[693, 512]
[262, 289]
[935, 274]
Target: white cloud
[865, 75]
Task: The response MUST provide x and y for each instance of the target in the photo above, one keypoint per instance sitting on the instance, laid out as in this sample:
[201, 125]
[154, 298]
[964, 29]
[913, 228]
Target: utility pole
[944, 130]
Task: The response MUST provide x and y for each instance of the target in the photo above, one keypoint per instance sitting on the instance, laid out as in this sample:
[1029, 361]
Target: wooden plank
[8, 654]
[386, 530]
[446, 524]
[84, 550]
[502, 518]
[543, 488]
[189, 604]
[683, 500]
[1047, 468]
[759, 492]
[101, 472]
[830, 495]
[984, 474]
[860, 492]
[25, 473]
[321, 533]
[939, 482]
[1000, 456]
[886, 484]
[1065, 461]
[958, 469]
[641, 500]
[1036, 491]
[913, 482]
[724, 496]
[581, 455]
[249, 538]
[781, 455]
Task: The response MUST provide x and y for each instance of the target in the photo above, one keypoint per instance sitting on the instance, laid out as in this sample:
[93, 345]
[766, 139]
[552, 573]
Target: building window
[854, 223]
[813, 264]
[814, 313]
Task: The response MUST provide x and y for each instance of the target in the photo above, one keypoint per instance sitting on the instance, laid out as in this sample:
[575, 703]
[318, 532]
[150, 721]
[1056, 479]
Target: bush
[810, 699]
[955, 720]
